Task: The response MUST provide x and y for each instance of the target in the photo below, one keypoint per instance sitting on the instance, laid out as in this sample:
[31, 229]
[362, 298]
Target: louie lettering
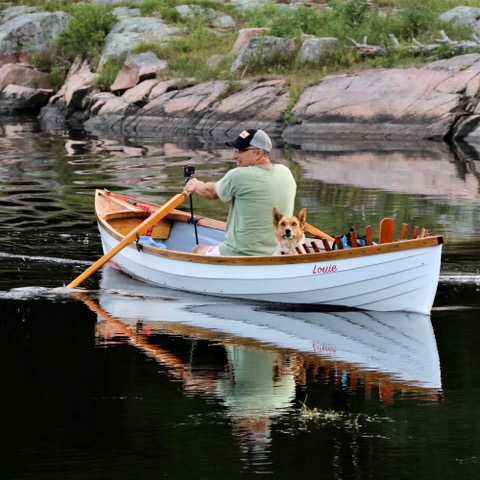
[326, 269]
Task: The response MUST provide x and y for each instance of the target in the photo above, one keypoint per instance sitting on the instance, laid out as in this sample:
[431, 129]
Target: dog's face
[289, 231]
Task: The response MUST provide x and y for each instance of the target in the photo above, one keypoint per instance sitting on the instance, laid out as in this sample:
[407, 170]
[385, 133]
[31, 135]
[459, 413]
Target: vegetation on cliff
[188, 54]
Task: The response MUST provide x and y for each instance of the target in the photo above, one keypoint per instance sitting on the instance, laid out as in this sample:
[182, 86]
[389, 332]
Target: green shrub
[108, 73]
[85, 34]
[187, 55]
[291, 23]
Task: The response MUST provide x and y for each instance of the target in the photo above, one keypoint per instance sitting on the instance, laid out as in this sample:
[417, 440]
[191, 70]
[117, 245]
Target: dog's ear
[276, 216]
[302, 216]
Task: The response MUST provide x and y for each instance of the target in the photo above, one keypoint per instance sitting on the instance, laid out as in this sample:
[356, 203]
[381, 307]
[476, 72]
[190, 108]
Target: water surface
[125, 380]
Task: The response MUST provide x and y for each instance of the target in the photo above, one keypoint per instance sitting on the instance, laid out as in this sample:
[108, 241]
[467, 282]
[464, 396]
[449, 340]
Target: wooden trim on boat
[122, 227]
[283, 259]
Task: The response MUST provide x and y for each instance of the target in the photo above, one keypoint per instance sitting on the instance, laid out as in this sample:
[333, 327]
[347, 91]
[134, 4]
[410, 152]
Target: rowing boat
[383, 275]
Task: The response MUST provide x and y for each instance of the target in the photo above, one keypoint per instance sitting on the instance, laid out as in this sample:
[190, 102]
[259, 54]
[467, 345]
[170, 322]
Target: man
[252, 190]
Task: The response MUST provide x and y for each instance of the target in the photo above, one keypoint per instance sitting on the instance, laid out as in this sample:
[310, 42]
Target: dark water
[128, 381]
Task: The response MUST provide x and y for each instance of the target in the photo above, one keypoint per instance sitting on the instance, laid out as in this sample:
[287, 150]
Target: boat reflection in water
[268, 352]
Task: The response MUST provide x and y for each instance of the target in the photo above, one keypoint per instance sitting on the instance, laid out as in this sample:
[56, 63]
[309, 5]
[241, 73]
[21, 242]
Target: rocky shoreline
[436, 102]
[439, 101]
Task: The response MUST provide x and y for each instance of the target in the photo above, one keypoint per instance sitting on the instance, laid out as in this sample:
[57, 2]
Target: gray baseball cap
[251, 138]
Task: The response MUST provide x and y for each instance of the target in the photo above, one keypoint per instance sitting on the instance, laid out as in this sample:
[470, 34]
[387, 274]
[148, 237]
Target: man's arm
[205, 189]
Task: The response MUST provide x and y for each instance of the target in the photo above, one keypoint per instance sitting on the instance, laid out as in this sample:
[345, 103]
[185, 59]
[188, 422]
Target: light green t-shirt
[252, 193]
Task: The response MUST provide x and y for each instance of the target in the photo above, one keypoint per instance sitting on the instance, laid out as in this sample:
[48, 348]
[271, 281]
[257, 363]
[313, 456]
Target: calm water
[128, 381]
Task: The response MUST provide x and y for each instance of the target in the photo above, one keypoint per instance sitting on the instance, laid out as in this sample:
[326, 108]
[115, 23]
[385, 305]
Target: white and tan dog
[290, 232]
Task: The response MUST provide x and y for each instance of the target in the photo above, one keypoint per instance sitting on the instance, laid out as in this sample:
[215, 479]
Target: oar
[161, 355]
[318, 233]
[149, 222]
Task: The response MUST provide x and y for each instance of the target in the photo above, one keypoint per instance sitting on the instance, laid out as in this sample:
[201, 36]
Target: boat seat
[162, 229]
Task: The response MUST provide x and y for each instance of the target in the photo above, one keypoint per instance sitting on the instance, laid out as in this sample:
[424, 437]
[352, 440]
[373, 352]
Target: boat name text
[326, 269]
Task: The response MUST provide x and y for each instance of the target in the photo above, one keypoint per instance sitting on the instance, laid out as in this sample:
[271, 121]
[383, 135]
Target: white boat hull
[397, 281]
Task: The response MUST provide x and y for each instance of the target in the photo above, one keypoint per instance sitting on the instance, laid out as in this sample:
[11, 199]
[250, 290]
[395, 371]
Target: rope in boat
[144, 206]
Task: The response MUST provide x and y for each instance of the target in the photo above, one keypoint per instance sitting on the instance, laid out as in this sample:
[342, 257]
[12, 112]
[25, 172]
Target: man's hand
[189, 187]
[207, 190]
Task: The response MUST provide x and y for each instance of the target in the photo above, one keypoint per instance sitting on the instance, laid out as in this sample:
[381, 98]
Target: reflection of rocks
[362, 165]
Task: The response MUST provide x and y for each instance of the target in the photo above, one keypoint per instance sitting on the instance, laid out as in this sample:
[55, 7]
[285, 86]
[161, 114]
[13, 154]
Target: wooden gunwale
[283, 259]
[131, 212]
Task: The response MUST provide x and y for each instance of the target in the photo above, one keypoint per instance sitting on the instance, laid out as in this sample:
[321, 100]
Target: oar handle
[149, 222]
[318, 233]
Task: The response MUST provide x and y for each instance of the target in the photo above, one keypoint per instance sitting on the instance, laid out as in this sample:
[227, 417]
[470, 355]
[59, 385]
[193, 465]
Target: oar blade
[318, 233]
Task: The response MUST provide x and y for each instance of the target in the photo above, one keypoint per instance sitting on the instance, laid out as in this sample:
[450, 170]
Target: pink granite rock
[24, 75]
[79, 85]
[137, 68]
[388, 103]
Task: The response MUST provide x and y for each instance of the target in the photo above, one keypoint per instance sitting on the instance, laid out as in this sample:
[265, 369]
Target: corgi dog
[289, 232]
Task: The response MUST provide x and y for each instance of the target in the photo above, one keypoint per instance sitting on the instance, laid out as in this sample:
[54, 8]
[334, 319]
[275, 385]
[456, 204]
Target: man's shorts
[213, 250]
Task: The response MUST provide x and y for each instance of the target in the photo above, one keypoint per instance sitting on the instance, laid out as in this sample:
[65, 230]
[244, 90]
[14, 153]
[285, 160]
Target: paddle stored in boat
[385, 276]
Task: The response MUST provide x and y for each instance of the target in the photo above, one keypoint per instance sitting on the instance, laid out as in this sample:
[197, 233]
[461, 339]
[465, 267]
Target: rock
[18, 99]
[313, 49]
[191, 100]
[244, 4]
[224, 22]
[258, 100]
[463, 16]
[130, 32]
[32, 32]
[263, 50]
[114, 105]
[139, 95]
[160, 89]
[24, 75]
[137, 68]
[200, 109]
[78, 86]
[244, 36]
[11, 12]
[388, 103]
[219, 20]
[99, 100]
[191, 11]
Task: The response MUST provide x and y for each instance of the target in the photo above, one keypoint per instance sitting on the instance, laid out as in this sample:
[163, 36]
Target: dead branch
[369, 50]
[374, 50]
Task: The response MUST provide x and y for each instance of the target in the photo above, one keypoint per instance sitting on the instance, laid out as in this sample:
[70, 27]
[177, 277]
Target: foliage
[166, 9]
[107, 74]
[187, 55]
[83, 39]
[85, 34]
[50, 5]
